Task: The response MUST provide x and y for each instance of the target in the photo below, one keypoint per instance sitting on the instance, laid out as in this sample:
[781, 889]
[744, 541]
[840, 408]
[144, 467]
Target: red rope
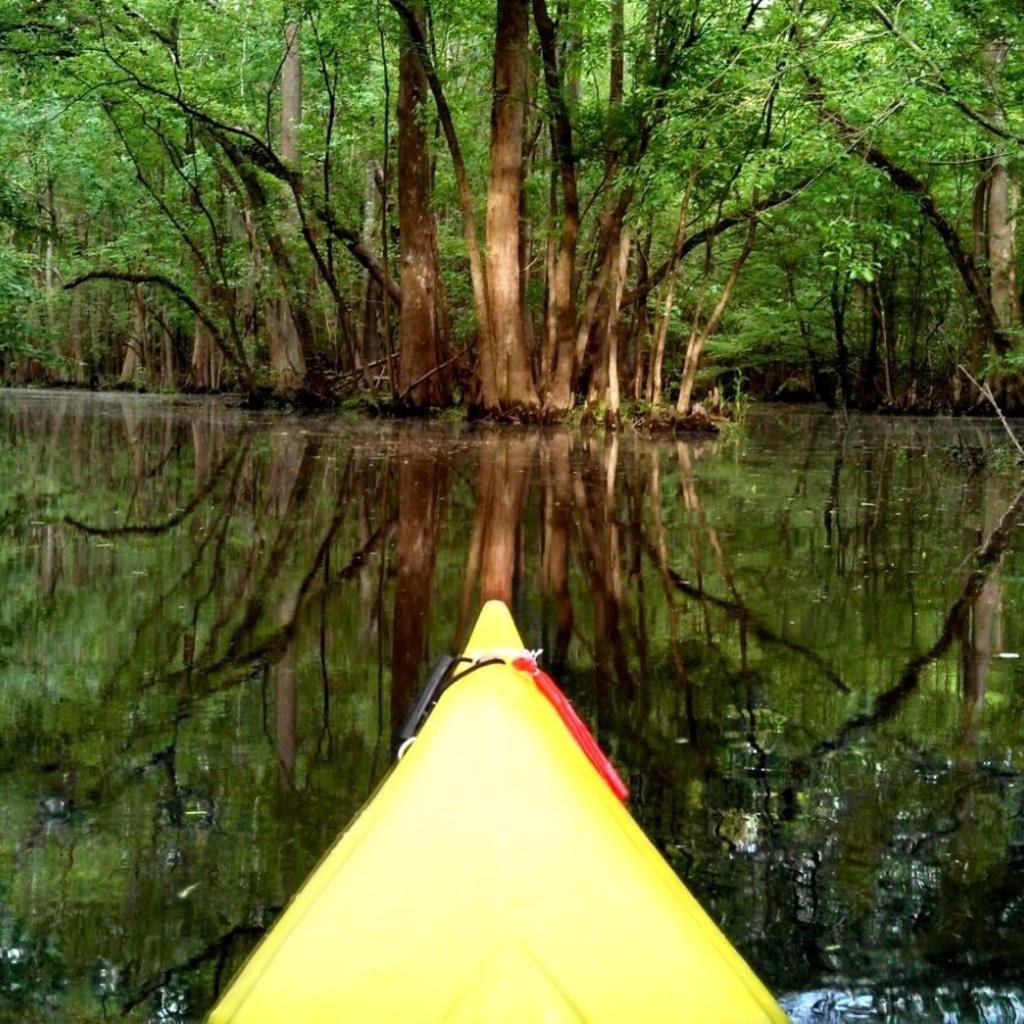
[576, 726]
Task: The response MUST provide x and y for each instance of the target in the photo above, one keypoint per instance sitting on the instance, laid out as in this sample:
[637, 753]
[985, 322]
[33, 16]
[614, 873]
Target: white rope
[505, 654]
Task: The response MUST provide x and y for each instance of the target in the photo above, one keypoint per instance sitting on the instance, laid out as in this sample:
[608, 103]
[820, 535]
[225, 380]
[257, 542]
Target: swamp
[799, 642]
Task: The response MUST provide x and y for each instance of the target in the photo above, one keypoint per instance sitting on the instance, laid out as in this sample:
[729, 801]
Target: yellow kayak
[495, 877]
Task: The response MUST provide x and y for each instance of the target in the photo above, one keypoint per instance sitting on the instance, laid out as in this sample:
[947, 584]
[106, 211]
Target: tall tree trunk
[168, 375]
[615, 286]
[78, 318]
[370, 343]
[838, 298]
[506, 378]
[76, 349]
[287, 347]
[477, 267]
[562, 297]
[886, 322]
[1002, 213]
[550, 340]
[590, 340]
[420, 345]
[979, 252]
[639, 336]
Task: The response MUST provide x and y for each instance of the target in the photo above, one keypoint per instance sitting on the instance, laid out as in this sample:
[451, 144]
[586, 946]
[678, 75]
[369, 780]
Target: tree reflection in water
[793, 642]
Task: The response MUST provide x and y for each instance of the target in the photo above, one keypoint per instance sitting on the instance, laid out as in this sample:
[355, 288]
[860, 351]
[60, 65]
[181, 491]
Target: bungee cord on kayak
[523, 660]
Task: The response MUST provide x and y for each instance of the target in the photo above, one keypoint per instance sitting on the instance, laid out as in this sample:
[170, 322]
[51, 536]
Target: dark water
[800, 643]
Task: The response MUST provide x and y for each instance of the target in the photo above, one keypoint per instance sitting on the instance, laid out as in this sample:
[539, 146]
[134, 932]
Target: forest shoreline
[374, 407]
[523, 205]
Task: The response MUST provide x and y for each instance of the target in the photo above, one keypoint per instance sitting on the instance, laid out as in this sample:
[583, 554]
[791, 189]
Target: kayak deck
[494, 877]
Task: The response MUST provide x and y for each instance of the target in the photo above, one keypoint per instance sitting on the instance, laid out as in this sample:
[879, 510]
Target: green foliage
[110, 137]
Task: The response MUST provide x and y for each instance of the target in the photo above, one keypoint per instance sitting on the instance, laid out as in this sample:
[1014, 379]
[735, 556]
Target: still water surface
[800, 642]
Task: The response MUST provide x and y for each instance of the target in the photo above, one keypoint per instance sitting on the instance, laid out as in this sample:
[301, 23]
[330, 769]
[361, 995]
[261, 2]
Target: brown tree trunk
[550, 340]
[291, 93]
[506, 379]
[477, 268]
[881, 300]
[562, 298]
[420, 345]
[638, 348]
[590, 339]
[199, 368]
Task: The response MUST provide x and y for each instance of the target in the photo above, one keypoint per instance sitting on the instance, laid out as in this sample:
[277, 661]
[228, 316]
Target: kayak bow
[495, 877]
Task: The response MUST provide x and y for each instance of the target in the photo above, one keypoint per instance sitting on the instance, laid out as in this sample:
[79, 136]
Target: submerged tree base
[299, 399]
[657, 421]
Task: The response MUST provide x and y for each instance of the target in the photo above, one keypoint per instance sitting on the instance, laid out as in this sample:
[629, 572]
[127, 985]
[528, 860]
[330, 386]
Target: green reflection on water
[787, 639]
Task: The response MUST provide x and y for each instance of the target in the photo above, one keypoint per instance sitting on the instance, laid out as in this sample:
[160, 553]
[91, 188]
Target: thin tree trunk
[838, 298]
[658, 360]
[698, 339]
[616, 284]
[884, 329]
[979, 251]
[76, 349]
[550, 342]
[638, 349]
[370, 346]
[559, 376]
